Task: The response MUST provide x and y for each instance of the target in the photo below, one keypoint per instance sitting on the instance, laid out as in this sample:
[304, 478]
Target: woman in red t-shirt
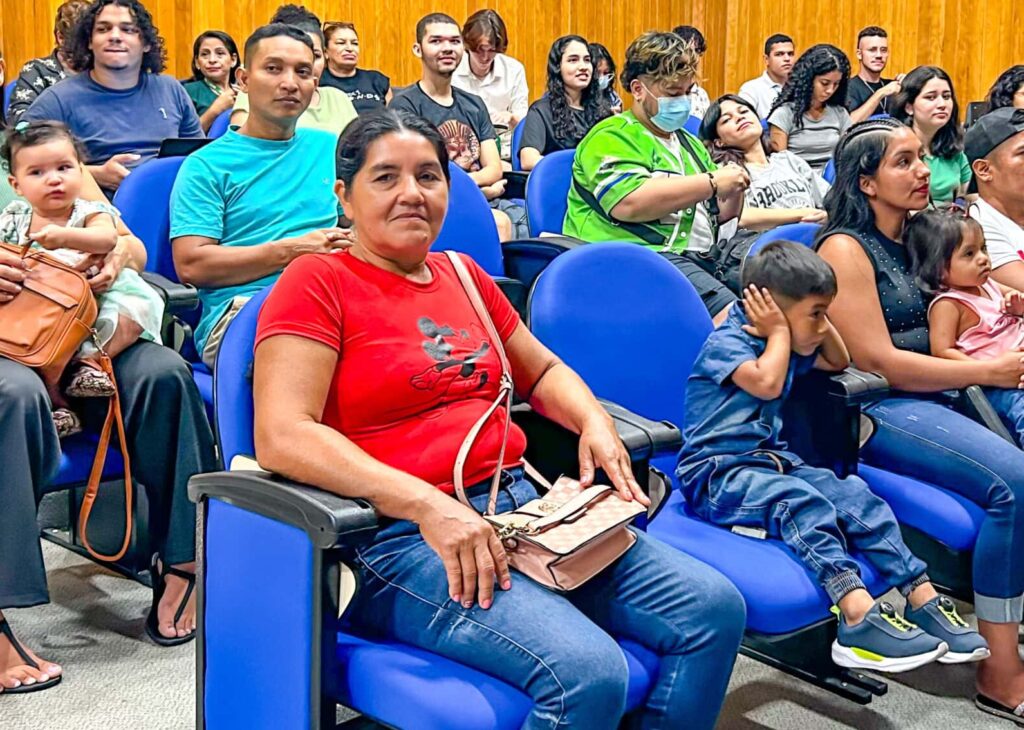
[371, 368]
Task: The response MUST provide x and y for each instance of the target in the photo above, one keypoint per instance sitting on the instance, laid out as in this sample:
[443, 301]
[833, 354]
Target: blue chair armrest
[177, 297]
[525, 258]
[329, 520]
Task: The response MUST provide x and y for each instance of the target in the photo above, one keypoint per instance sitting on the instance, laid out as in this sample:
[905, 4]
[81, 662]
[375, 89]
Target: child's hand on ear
[1013, 303]
[766, 318]
[50, 237]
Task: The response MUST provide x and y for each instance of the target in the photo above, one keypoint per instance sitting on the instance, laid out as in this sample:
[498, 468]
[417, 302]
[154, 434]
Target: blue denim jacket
[724, 425]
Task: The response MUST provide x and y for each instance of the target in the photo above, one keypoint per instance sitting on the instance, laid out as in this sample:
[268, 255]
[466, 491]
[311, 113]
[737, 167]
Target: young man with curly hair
[119, 104]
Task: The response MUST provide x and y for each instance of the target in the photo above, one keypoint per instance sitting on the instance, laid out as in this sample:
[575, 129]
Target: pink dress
[996, 332]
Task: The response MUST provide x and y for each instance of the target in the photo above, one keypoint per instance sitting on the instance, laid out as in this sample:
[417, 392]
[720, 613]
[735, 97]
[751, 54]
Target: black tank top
[903, 304]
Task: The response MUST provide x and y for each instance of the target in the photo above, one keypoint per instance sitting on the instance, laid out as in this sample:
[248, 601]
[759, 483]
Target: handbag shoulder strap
[504, 391]
[96, 474]
[644, 232]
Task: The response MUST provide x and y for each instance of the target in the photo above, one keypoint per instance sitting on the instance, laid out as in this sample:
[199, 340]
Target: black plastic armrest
[329, 520]
[856, 386]
[177, 297]
[525, 258]
[642, 437]
[975, 405]
[515, 291]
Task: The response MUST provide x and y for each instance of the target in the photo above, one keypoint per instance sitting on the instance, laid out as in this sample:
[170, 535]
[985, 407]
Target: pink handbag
[571, 534]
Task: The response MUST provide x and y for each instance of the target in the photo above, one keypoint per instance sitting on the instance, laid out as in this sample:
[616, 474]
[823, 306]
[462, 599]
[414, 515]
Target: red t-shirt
[415, 365]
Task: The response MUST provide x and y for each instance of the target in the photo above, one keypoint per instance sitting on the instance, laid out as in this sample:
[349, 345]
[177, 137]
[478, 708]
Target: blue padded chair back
[232, 385]
[8, 93]
[693, 125]
[804, 233]
[626, 320]
[829, 173]
[517, 144]
[547, 190]
[144, 200]
[469, 226]
[220, 125]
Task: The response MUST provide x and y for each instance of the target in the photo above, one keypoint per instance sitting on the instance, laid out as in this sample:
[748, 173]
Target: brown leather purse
[42, 328]
[571, 534]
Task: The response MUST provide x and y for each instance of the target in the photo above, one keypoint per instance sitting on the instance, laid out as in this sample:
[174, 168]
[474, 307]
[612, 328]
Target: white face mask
[604, 81]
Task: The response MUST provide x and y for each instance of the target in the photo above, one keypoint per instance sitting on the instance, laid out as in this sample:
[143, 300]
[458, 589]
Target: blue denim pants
[933, 443]
[557, 648]
[819, 517]
[1009, 404]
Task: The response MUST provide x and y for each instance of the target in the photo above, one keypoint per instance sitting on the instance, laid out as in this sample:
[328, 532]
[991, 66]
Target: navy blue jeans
[819, 517]
[1009, 404]
[933, 443]
[557, 648]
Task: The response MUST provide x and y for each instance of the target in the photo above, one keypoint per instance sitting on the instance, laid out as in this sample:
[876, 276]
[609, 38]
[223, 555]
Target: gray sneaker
[939, 618]
[885, 642]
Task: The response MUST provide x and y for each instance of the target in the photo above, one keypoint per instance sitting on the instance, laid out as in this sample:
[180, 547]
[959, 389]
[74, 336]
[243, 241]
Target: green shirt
[615, 158]
[332, 114]
[201, 94]
[948, 173]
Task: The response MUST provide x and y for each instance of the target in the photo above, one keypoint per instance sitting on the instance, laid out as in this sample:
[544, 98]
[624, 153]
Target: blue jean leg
[792, 510]
[541, 643]
[869, 525]
[930, 442]
[1009, 404]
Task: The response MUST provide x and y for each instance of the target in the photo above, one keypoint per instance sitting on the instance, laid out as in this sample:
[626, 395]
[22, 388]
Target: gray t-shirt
[786, 183]
[817, 138]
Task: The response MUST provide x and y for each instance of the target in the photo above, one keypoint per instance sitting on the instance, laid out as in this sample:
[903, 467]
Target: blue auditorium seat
[252, 556]
[517, 144]
[804, 233]
[547, 189]
[632, 326]
[220, 125]
[8, 93]
[692, 125]
[829, 173]
[469, 226]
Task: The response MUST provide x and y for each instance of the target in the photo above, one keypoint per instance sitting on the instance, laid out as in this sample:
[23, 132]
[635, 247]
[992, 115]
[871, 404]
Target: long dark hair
[931, 238]
[76, 45]
[1002, 91]
[228, 42]
[948, 141]
[859, 152]
[568, 130]
[709, 132]
[350, 153]
[818, 60]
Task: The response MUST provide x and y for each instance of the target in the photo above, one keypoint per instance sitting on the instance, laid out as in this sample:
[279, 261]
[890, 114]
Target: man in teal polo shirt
[249, 203]
[640, 177]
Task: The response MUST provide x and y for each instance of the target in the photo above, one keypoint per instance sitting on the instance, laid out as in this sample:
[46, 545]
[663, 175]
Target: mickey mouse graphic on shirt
[456, 355]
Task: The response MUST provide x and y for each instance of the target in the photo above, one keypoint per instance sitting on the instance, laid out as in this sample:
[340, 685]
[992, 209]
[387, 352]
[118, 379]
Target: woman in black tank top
[881, 178]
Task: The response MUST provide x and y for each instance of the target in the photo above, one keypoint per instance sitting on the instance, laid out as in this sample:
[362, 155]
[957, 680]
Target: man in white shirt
[995, 148]
[779, 56]
[498, 79]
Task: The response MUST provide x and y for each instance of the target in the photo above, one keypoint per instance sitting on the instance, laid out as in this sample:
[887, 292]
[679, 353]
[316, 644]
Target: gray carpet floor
[115, 678]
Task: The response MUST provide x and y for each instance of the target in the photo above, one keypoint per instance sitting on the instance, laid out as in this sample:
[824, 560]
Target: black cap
[990, 131]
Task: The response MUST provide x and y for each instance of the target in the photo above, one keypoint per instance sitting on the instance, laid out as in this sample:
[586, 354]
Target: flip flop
[159, 584]
[5, 629]
[986, 704]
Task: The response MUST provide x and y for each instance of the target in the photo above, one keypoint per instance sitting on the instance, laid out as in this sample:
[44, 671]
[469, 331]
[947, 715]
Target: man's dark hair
[693, 36]
[871, 30]
[421, 26]
[76, 46]
[775, 39]
[789, 270]
[299, 17]
[931, 238]
[350, 154]
[274, 30]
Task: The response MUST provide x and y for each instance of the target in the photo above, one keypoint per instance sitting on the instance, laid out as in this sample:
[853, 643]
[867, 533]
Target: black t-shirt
[539, 128]
[368, 90]
[859, 91]
[464, 125]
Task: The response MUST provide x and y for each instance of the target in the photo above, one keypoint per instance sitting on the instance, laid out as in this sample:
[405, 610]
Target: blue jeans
[557, 648]
[933, 443]
[816, 514]
[1009, 404]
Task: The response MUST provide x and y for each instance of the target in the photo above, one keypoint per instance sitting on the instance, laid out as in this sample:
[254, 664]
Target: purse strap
[95, 475]
[504, 391]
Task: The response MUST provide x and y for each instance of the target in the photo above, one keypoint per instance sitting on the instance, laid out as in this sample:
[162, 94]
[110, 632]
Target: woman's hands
[471, 552]
[601, 448]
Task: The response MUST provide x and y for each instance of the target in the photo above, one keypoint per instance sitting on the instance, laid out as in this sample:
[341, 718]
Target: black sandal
[159, 584]
[5, 629]
[989, 705]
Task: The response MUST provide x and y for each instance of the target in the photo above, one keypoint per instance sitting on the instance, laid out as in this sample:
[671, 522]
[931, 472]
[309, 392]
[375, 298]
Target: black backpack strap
[645, 233]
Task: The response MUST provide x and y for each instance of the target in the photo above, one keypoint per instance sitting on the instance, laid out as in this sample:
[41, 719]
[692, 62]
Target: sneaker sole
[955, 657]
[845, 657]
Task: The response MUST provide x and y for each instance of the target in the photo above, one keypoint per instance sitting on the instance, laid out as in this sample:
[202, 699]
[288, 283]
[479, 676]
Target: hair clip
[21, 127]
